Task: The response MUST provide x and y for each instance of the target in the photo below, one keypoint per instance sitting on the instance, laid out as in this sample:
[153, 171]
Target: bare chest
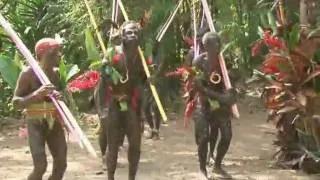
[34, 83]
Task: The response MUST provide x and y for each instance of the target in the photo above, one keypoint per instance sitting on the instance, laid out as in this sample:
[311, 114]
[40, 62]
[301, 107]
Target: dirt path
[172, 158]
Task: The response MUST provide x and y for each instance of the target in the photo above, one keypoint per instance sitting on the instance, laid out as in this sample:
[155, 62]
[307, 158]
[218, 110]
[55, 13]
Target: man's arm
[100, 91]
[228, 97]
[20, 99]
[197, 61]
[188, 58]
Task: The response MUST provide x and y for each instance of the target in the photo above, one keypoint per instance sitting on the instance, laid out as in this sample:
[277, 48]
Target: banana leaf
[66, 72]
[9, 70]
[92, 50]
[272, 22]
[293, 36]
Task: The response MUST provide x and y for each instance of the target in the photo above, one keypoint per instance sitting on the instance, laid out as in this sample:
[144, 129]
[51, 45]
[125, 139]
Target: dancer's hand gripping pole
[65, 113]
[145, 66]
[224, 70]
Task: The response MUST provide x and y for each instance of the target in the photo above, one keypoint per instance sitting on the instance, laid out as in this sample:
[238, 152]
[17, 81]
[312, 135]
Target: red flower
[256, 47]
[273, 41]
[86, 81]
[269, 69]
[281, 76]
[191, 106]
[117, 58]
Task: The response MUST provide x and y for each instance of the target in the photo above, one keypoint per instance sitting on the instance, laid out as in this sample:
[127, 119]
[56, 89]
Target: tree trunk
[308, 12]
[303, 14]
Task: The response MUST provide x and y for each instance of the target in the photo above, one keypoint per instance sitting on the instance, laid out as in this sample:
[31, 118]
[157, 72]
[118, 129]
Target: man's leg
[223, 146]
[148, 117]
[212, 139]
[114, 136]
[103, 131]
[37, 131]
[103, 138]
[58, 147]
[133, 131]
[202, 138]
[156, 120]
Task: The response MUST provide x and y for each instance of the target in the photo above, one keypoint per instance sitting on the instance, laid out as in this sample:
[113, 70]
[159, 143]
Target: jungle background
[239, 22]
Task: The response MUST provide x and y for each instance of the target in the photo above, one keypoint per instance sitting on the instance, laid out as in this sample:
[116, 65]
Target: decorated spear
[222, 63]
[62, 108]
[145, 66]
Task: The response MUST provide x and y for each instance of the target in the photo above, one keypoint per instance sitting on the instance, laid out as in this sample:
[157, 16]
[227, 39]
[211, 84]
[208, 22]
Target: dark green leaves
[66, 72]
[9, 70]
[92, 50]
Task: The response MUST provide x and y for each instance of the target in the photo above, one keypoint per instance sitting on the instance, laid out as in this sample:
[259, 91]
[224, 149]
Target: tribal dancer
[102, 97]
[44, 125]
[124, 114]
[215, 104]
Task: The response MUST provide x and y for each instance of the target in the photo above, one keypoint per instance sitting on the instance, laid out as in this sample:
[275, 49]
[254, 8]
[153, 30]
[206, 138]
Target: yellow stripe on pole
[95, 26]
[145, 67]
[167, 24]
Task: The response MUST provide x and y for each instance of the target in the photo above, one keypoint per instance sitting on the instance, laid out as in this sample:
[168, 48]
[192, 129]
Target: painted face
[131, 34]
[52, 57]
[212, 46]
[211, 43]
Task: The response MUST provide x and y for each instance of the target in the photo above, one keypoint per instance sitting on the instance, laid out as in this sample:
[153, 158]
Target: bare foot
[210, 161]
[221, 173]
[204, 173]
[155, 135]
[103, 166]
[149, 135]
[103, 163]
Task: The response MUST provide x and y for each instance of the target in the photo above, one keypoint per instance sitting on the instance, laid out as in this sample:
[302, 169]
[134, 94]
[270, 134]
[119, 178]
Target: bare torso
[30, 82]
[136, 75]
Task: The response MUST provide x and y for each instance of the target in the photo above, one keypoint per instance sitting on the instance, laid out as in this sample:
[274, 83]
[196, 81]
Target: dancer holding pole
[42, 118]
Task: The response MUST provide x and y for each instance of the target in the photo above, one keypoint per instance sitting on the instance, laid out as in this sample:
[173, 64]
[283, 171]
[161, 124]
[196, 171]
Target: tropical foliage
[291, 72]
[291, 78]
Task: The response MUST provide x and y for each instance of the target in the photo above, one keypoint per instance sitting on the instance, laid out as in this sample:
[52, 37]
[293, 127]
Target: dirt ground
[171, 158]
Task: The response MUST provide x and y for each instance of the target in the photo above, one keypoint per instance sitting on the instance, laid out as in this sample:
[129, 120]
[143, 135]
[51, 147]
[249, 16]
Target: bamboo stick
[194, 17]
[167, 24]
